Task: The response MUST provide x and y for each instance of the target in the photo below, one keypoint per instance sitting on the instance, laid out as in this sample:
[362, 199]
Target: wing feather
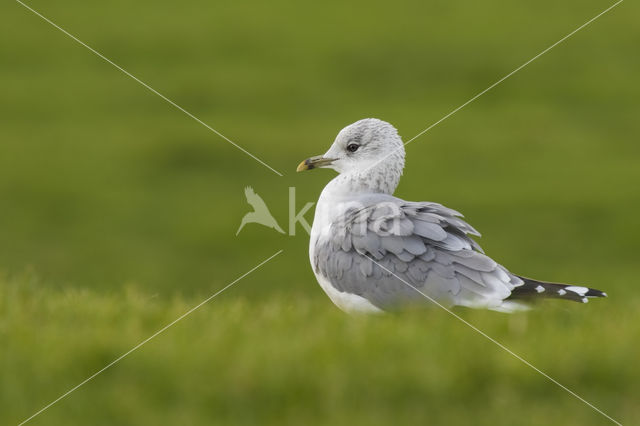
[426, 244]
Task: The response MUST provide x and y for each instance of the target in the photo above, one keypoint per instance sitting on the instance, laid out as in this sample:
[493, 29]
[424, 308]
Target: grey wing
[375, 251]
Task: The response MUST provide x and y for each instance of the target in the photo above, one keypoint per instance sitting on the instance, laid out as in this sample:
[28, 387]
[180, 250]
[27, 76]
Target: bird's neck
[382, 179]
[342, 193]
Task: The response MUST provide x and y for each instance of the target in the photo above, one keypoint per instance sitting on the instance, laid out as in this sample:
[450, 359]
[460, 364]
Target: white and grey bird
[373, 252]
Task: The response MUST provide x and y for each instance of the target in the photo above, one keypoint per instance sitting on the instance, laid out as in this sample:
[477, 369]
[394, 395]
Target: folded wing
[372, 248]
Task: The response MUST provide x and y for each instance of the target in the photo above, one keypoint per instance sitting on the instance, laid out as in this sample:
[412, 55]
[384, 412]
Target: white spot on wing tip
[604, 294]
[539, 289]
[580, 291]
[561, 292]
[585, 300]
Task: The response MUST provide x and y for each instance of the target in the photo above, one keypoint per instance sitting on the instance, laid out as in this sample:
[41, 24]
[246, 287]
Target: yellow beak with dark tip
[314, 163]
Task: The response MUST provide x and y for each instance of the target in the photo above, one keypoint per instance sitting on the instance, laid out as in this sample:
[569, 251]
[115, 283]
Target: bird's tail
[533, 289]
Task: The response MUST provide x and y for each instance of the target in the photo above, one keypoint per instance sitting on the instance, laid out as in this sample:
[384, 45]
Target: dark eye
[353, 147]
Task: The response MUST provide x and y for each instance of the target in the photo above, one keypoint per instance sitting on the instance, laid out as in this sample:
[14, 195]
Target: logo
[262, 215]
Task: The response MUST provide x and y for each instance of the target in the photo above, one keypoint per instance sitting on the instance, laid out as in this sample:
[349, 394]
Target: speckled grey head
[363, 144]
[360, 146]
[368, 154]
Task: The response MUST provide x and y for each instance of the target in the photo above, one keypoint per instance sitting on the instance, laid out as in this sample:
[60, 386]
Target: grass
[289, 360]
[126, 209]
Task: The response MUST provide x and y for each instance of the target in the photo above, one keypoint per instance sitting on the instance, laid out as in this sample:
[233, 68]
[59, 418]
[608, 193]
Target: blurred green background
[118, 212]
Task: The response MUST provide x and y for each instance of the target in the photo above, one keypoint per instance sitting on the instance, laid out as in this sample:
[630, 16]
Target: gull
[372, 252]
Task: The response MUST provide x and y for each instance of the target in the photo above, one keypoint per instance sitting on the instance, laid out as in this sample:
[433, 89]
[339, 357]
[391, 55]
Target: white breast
[348, 302]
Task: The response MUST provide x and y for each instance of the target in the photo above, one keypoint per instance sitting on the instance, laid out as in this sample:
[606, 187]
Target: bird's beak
[314, 163]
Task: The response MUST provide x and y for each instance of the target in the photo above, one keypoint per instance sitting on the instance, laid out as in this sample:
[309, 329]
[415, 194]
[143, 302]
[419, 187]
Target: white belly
[348, 302]
[327, 208]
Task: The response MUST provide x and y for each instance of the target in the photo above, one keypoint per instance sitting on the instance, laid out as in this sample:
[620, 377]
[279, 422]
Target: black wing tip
[596, 293]
[542, 289]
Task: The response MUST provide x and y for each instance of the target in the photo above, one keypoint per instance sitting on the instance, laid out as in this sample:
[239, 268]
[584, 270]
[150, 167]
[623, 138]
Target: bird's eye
[353, 147]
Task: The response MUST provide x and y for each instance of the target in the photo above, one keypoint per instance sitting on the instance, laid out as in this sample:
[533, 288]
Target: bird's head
[365, 144]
